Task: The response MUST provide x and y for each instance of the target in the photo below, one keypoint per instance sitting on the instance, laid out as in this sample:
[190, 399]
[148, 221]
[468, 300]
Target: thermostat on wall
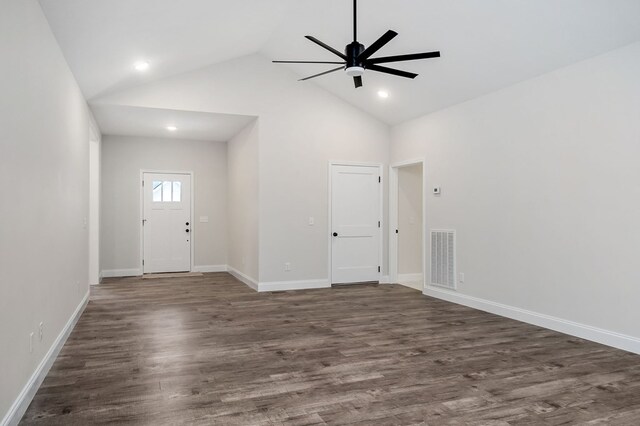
[436, 190]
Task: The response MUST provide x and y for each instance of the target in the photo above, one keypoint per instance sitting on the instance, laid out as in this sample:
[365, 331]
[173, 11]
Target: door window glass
[167, 191]
[157, 191]
[177, 187]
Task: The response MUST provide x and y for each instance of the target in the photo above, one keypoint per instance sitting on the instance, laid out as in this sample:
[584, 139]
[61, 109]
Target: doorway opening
[167, 205]
[407, 232]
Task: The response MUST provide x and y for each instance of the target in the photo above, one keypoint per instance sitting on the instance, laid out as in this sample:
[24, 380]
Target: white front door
[166, 222]
[355, 222]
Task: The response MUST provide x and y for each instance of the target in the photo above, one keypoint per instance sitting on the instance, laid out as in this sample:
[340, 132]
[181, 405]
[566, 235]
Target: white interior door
[355, 222]
[167, 222]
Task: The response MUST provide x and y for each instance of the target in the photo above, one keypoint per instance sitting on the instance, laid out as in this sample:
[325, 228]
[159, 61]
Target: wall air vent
[443, 258]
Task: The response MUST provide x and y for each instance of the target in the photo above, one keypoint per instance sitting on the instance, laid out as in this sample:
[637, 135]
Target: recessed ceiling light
[141, 66]
[383, 94]
[172, 128]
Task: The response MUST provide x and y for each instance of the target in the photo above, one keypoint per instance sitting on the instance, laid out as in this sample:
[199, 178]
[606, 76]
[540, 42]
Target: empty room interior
[296, 212]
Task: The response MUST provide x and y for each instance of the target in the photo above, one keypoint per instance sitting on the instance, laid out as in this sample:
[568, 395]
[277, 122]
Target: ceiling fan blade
[326, 46]
[400, 58]
[322, 73]
[391, 71]
[377, 45]
[357, 80]
[307, 62]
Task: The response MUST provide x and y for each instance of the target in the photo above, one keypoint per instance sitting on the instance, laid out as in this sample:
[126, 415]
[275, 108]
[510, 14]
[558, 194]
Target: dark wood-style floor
[208, 350]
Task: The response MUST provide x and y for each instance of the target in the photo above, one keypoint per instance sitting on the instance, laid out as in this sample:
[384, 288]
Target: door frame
[393, 218]
[191, 213]
[379, 166]
[95, 197]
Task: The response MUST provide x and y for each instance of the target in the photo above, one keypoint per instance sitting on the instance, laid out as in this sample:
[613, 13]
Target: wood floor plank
[208, 350]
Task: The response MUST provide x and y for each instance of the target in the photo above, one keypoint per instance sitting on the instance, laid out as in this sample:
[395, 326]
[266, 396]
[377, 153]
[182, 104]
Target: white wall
[44, 155]
[540, 180]
[296, 147]
[242, 196]
[123, 158]
[301, 129]
[410, 219]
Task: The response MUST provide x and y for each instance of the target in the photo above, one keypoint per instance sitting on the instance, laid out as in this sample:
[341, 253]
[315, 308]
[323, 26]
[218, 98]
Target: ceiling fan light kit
[354, 71]
[356, 58]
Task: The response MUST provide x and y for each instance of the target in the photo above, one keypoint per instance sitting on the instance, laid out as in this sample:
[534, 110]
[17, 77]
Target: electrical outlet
[31, 342]
[41, 331]
[461, 277]
[287, 267]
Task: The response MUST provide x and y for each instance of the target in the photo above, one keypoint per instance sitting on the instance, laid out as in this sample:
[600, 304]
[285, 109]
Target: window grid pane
[177, 187]
[157, 191]
[166, 191]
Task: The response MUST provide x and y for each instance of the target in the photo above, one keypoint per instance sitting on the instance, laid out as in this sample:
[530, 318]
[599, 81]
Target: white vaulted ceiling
[486, 45]
[103, 39]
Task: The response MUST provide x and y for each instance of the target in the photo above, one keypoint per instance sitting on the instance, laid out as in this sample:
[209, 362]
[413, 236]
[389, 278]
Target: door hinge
[142, 262]
[378, 269]
[378, 224]
[142, 183]
[379, 179]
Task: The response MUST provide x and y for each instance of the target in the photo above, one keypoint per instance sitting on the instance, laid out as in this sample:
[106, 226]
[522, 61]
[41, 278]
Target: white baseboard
[210, 268]
[243, 278]
[598, 335]
[415, 285]
[112, 273]
[293, 285]
[410, 277]
[20, 405]
[414, 281]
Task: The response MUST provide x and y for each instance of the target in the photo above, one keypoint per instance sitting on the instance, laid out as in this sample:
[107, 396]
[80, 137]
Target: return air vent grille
[443, 258]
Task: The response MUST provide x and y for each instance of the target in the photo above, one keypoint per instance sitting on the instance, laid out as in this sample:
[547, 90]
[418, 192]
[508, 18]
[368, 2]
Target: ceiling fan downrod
[355, 20]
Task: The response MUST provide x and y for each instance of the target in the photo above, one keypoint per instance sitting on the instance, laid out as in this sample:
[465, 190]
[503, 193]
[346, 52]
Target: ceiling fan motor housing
[354, 67]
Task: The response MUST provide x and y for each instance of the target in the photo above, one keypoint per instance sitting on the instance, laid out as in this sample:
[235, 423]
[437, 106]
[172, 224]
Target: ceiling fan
[356, 59]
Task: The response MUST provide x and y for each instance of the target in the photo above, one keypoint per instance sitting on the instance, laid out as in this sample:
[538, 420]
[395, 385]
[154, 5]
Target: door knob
[335, 234]
[186, 230]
